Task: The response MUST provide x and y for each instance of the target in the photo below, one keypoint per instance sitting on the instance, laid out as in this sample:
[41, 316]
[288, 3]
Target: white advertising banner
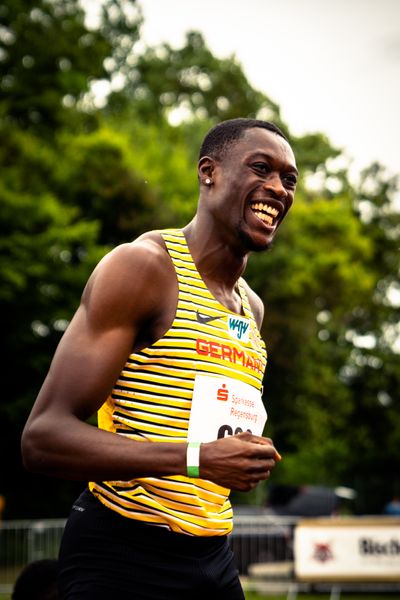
[347, 549]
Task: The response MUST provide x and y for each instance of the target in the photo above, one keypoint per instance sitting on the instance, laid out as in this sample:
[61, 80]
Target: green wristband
[193, 472]
[193, 459]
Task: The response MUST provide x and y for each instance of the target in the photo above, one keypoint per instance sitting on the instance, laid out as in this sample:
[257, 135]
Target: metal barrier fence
[262, 543]
[262, 538]
[256, 538]
[22, 542]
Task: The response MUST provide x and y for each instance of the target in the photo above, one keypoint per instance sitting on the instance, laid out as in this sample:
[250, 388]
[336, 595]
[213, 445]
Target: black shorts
[105, 556]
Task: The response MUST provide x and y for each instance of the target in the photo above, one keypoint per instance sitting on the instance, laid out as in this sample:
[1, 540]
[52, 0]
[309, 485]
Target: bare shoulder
[256, 304]
[145, 257]
[149, 248]
[132, 274]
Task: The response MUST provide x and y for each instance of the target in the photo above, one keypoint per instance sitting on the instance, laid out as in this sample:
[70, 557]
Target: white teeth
[262, 211]
[272, 211]
[264, 217]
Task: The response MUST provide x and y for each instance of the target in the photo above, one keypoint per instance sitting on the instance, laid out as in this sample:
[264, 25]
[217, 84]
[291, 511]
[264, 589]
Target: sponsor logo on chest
[239, 328]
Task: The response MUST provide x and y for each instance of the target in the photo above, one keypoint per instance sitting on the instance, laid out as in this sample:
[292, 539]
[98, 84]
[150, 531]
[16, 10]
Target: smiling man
[165, 347]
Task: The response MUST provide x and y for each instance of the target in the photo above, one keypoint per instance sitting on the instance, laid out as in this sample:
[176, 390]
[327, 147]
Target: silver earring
[207, 181]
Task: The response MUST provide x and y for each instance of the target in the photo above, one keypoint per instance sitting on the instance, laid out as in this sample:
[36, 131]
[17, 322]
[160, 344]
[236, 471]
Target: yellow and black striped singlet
[151, 401]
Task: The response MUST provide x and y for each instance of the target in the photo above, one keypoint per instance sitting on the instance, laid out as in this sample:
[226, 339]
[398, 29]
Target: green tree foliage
[122, 179]
[46, 253]
[48, 57]
[372, 372]
[309, 283]
[331, 290]
[192, 80]
[79, 176]
[194, 88]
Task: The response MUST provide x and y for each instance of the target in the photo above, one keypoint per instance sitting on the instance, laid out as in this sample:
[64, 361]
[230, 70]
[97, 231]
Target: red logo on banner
[322, 552]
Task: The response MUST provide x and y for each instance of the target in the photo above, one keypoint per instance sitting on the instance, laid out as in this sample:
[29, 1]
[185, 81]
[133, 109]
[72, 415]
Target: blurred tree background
[99, 137]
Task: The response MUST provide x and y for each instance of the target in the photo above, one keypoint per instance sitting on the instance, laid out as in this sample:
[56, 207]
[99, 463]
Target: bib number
[223, 406]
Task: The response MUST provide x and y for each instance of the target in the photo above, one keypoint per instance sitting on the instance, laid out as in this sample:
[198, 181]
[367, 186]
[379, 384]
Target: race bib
[224, 406]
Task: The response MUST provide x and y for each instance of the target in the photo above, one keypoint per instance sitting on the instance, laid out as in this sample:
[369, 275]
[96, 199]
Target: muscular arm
[121, 297]
[129, 302]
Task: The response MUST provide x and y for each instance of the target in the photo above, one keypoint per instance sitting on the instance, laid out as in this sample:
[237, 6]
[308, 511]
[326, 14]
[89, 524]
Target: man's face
[255, 184]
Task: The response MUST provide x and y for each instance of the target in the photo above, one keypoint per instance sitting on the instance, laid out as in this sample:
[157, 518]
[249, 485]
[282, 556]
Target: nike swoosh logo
[204, 319]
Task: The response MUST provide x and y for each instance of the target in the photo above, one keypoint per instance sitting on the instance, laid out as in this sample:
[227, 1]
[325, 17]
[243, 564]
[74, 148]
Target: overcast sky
[332, 66]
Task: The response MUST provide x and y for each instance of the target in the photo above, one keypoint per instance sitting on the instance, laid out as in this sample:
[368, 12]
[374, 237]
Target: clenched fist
[238, 462]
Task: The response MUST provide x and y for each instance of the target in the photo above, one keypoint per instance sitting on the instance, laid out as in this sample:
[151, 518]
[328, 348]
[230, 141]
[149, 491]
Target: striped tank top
[151, 400]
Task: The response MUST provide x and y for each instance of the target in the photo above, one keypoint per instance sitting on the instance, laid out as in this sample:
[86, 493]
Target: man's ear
[205, 170]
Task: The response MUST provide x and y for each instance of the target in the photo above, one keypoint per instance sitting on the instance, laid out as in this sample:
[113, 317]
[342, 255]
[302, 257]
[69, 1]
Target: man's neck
[216, 259]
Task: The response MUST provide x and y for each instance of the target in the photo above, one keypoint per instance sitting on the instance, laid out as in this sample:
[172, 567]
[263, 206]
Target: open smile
[267, 211]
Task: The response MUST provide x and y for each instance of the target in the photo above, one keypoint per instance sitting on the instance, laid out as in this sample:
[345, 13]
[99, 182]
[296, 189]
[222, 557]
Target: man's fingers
[261, 441]
[262, 466]
[255, 439]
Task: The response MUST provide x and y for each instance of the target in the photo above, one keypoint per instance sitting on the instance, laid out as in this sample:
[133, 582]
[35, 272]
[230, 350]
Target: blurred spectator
[308, 500]
[2, 505]
[38, 581]
[392, 507]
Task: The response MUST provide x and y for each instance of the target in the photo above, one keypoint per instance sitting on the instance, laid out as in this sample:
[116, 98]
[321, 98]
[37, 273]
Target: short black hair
[220, 137]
